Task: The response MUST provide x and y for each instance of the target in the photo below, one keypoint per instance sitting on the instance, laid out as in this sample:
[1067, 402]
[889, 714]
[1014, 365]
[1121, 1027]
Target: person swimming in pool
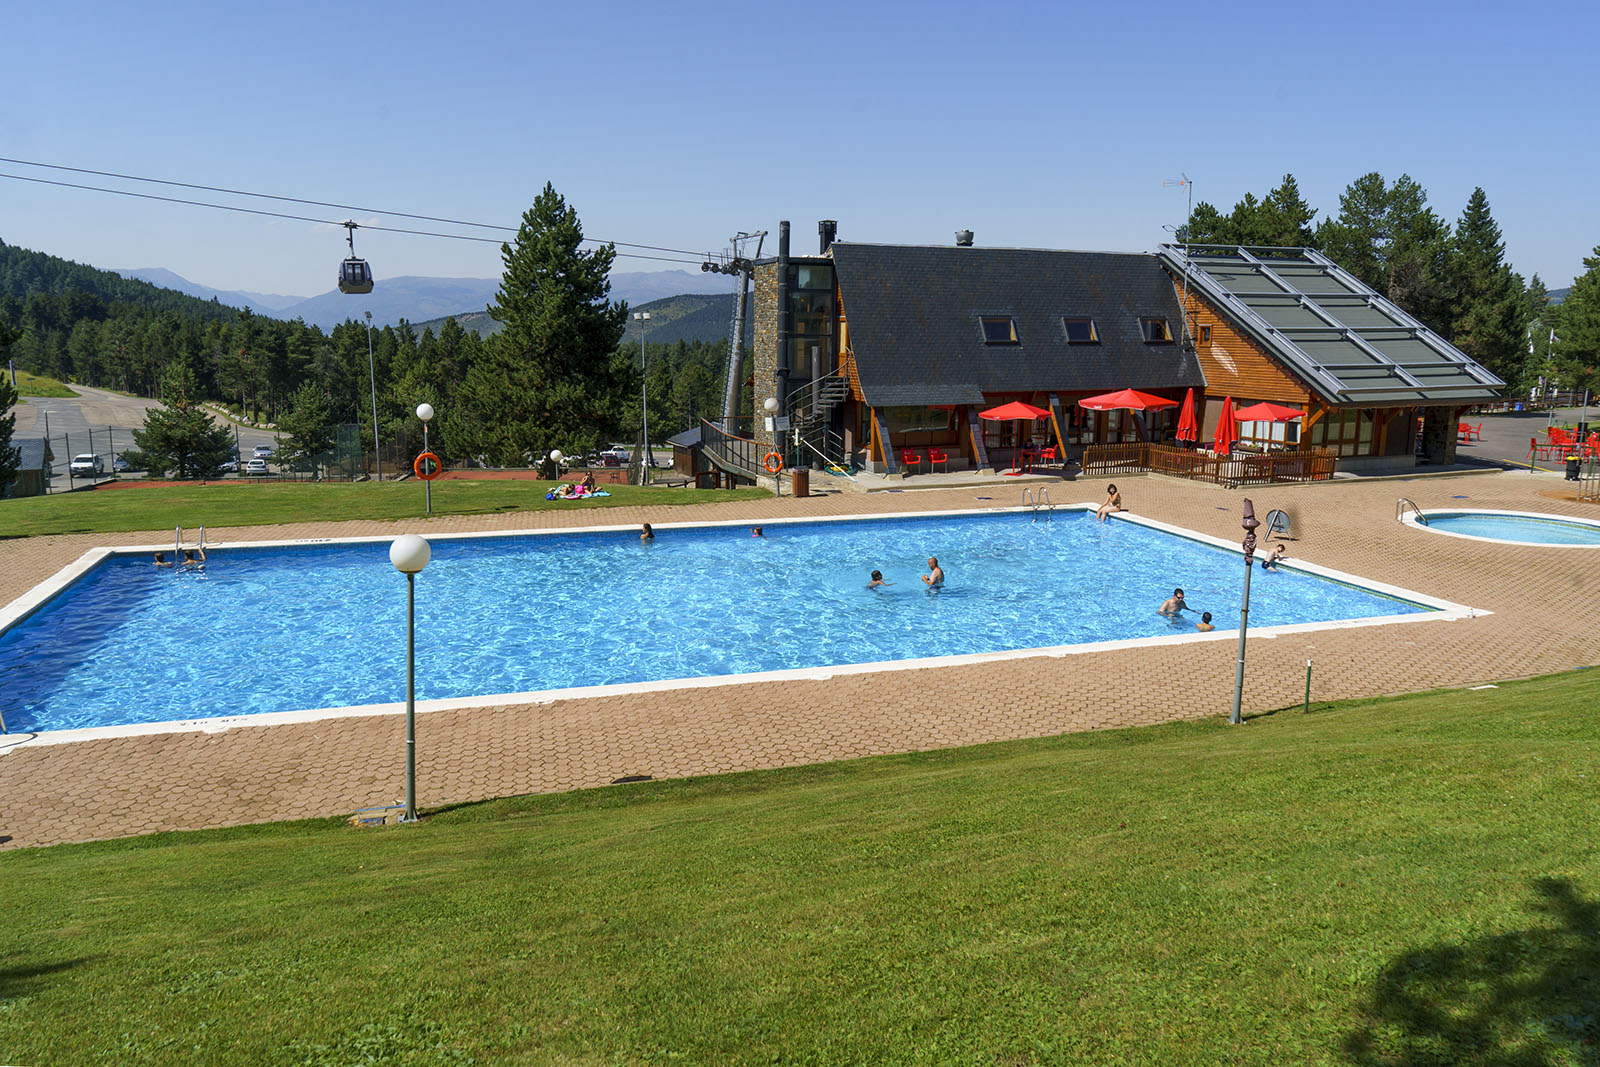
[646, 533]
[1173, 605]
[1204, 625]
[877, 580]
[935, 576]
[162, 560]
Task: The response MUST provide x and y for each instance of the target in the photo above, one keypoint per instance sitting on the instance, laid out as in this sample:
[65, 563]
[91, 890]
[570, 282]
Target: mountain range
[418, 299]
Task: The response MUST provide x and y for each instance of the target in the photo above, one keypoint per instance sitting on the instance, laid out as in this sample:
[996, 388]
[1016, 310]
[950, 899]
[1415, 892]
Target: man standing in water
[935, 576]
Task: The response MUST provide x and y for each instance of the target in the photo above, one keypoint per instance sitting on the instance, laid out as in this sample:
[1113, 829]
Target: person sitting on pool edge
[1204, 625]
[1272, 561]
[877, 580]
[935, 576]
[1173, 605]
[1113, 503]
[646, 534]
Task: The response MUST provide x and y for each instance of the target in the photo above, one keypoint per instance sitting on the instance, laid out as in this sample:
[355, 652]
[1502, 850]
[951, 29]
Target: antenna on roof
[1185, 182]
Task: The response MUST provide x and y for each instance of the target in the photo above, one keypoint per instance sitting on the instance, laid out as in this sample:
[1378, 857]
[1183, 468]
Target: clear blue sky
[1034, 124]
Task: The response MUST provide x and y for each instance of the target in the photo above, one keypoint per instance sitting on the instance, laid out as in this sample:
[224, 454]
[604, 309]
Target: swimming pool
[287, 627]
[1511, 527]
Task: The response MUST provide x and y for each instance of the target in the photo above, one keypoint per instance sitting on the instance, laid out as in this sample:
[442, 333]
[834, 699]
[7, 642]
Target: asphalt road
[101, 422]
[1506, 435]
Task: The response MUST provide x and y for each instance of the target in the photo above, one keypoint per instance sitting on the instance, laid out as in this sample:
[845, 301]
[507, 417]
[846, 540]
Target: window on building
[814, 277]
[1349, 432]
[1205, 335]
[1081, 331]
[999, 330]
[1156, 331]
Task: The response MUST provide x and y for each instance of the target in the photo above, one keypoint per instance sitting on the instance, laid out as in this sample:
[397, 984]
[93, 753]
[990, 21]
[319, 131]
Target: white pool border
[27, 604]
[1410, 519]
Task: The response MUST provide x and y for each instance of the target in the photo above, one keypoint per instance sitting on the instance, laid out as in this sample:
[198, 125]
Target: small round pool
[1511, 527]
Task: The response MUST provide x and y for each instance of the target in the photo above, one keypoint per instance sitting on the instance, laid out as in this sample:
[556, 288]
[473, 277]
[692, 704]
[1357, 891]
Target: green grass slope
[1396, 882]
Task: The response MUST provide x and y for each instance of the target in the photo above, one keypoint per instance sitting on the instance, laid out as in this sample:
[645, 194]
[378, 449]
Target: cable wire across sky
[698, 256]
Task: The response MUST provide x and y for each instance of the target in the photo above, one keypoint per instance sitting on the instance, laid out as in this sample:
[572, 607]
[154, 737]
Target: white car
[256, 467]
[87, 465]
[263, 452]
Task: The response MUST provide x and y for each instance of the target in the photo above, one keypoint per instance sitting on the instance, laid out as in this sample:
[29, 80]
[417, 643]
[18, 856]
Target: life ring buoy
[427, 466]
[773, 462]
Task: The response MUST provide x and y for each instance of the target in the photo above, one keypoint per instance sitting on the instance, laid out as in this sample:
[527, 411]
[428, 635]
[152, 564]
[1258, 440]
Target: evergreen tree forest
[543, 382]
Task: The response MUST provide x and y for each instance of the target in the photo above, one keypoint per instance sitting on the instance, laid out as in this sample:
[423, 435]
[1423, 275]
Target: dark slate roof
[1348, 343]
[32, 451]
[687, 439]
[914, 316]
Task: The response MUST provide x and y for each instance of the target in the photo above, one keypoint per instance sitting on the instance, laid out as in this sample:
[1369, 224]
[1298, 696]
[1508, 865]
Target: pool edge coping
[1440, 611]
[1410, 519]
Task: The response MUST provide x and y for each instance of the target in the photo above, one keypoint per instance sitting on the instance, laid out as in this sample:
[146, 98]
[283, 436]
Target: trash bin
[802, 481]
[1572, 468]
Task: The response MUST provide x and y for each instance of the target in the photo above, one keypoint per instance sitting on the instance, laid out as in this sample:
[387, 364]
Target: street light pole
[409, 554]
[372, 371]
[1249, 522]
[643, 317]
[425, 413]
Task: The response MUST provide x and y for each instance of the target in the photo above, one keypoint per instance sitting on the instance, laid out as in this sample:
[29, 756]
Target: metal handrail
[1400, 510]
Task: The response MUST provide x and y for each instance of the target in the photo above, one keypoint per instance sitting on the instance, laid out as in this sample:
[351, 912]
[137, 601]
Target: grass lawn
[1389, 882]
[244, 503]
[38, 385]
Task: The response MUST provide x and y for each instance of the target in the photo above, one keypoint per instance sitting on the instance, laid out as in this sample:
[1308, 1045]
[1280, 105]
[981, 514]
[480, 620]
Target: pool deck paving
[1540, 618]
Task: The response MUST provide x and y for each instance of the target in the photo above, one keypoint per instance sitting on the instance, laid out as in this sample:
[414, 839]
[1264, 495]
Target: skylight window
[999, 330]
[1081, 331]
[1156, 331]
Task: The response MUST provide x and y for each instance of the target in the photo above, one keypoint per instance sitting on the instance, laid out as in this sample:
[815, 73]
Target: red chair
[936, 456]
[910, 458]
[1047, 455]
[1476, 433]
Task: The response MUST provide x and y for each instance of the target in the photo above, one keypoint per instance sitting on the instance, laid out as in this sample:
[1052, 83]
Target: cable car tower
[354, 274]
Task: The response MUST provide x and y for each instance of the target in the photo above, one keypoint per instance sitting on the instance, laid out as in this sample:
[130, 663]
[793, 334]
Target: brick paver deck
[1542, 599]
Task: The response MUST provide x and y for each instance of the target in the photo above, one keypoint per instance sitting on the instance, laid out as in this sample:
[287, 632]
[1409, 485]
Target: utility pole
[740, 264]
[372, 369]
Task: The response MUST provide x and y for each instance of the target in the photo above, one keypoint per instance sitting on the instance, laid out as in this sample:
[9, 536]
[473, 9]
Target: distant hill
[1558, 295]
[238, 298]
[420, 299]
[694, 317]
[25, 273]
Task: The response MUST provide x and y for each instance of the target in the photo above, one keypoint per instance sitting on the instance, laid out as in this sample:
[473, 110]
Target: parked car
[229, 467]
[87, 465]
[256, 466]
[120, 465]
[263, 452]
[615, 457]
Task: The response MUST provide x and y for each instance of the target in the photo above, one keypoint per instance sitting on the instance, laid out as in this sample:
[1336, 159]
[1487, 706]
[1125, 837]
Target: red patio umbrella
[1131, 399]
[1267, 412]
[1188, 425]
[1227, 430]
[1015, 411]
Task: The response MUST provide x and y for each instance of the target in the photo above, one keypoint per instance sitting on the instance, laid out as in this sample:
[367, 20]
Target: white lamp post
[425, 413]
[372, 371]
[642, 317]
[555, 458]
[409, 554]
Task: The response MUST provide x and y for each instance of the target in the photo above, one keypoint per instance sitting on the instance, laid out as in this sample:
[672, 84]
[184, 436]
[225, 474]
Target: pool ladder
[1039, 503]
[1400, 510]
[177, 542]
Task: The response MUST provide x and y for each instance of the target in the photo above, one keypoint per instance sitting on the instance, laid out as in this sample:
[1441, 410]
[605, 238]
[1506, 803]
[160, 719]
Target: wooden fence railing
[1239, 468]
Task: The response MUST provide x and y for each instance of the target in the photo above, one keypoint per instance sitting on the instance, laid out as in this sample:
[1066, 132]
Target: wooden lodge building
[876, 354]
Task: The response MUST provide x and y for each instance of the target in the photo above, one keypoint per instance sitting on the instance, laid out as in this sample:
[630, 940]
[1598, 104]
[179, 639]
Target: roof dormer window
[1156, 331]
[1081, 331]
[999, 330]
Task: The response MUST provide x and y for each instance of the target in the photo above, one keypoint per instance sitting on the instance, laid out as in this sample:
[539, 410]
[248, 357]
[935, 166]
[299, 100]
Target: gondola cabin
[355, 276]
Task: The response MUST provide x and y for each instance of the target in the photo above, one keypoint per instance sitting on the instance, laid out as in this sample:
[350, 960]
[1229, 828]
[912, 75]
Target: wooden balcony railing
[1233, 470]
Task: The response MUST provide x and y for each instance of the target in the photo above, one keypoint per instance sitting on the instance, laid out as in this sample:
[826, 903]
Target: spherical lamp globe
[409, 554]
[425, 412]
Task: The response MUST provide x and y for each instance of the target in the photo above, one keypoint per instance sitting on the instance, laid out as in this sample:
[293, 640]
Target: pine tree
[307, 427]
[547, 380]
[179, 437]
[1577, 347]
[1388, 237]
[1284, 220]
[1490, 314]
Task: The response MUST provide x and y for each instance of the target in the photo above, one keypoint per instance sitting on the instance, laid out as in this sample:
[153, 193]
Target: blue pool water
[317, 626]
[1507, 527]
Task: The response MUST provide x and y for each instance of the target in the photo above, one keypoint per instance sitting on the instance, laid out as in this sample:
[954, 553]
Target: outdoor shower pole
[1249, 522]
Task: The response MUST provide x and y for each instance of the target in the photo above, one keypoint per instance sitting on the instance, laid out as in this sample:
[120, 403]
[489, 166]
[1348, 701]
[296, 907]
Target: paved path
[1542, 599]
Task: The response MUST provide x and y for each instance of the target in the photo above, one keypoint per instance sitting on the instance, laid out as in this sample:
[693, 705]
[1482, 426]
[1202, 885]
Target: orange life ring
[773, 463]
[433, 472]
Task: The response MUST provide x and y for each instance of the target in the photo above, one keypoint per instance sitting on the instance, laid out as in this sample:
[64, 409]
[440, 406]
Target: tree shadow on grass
[22, 981]
[1527, 998]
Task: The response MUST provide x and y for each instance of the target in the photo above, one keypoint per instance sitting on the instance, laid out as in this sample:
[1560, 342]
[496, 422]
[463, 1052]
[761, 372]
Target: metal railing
[737, 455]
[1406, 502]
